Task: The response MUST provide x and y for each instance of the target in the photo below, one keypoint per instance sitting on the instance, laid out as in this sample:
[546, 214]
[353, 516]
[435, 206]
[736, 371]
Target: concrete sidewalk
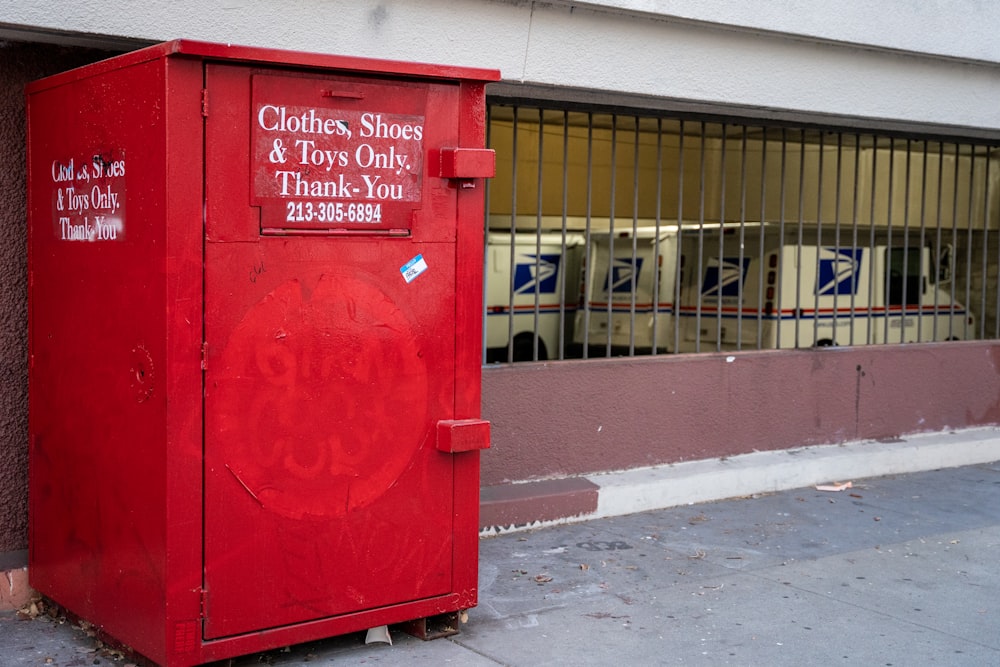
[898, 570]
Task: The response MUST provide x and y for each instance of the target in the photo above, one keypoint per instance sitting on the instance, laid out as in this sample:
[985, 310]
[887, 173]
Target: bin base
[433, 627]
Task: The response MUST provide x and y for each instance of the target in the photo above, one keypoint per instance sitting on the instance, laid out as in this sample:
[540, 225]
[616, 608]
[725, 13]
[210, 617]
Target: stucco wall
[916, 62]
[955, 29]
[19, 63]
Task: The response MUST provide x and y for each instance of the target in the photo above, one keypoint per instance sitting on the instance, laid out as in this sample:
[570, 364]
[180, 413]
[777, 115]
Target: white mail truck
[711, 287]
[629, 291]
[531, 293]
[802, 287]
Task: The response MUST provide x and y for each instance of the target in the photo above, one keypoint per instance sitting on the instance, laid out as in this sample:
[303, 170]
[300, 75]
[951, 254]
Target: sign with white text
[334, 155]
[88, 197]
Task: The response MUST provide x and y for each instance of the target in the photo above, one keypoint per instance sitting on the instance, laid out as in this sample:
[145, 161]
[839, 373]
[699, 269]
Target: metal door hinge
[204, 102]
[203, 608]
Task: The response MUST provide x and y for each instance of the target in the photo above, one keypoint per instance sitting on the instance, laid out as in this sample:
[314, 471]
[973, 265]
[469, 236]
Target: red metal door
[327, 364]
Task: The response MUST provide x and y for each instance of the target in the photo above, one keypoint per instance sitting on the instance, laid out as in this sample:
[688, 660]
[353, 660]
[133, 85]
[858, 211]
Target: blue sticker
[413, 268]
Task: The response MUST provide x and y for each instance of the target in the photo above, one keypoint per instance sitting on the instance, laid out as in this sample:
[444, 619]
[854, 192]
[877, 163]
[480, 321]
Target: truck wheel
[524, 348]
[825, 342]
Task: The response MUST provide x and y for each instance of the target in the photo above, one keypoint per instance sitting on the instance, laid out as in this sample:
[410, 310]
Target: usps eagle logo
[536, 273]
[838, 271]
[624, 274]
[725, 278]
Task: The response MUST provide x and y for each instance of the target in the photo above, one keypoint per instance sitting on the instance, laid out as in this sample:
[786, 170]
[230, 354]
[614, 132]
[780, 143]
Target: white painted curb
[659, 487]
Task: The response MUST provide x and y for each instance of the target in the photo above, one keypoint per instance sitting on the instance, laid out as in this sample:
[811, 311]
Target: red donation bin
[255, 345]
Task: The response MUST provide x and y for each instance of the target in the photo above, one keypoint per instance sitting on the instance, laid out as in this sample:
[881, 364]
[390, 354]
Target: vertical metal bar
[679, 269]
[925, 280]
[609, 310]
[536, 312]
[657, 271]
[722, 238]
[872, 260]
[701, 236]
[996, 283]
[939, 240]
[564, 263]
[854, 237]
[782, 267]
[905, 297]
[798, 248]
[635, 233]
[985, 242]
[743, 222]
[513, 234]
[836, 237]
[821, 148]
[588, 267]
[954, 241]
[761, 301]
[888, 235]
[969, 240]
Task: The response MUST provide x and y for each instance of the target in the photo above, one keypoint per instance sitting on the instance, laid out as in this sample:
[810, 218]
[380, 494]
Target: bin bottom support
[433, 627]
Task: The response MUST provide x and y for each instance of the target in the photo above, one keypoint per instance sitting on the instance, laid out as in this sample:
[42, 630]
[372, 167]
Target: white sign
[88, 199]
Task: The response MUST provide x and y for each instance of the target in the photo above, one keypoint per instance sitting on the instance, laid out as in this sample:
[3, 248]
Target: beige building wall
[636, 172]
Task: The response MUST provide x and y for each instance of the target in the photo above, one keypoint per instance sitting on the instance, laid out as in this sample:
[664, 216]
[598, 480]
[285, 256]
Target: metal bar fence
[740, 236]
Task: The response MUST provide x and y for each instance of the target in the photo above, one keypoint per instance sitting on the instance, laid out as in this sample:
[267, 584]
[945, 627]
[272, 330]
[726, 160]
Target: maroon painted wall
[574, 417]
[19, 64]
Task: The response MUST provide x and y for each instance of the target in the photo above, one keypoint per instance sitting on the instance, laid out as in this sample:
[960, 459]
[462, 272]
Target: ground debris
[33, 609]
[834, 486]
